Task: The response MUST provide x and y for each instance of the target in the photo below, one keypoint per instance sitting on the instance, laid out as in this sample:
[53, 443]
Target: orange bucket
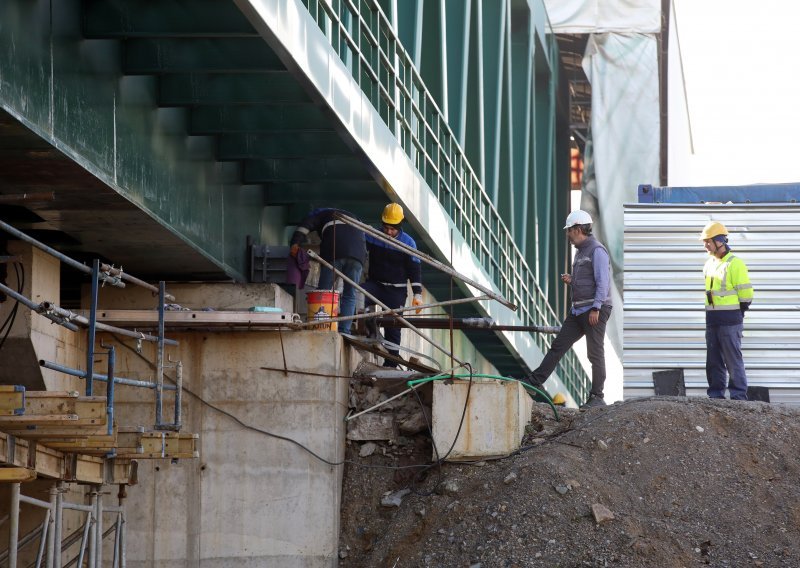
[323, 305]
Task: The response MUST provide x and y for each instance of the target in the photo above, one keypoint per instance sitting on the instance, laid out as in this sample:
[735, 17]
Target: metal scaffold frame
[91, 535]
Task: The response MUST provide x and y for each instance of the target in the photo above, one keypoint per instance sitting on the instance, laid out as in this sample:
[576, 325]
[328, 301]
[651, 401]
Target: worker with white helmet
[590, 285]
[729, 294]
[389, 272]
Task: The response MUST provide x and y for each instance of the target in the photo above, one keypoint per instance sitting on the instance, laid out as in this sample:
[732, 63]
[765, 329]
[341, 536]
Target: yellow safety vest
[727, 283]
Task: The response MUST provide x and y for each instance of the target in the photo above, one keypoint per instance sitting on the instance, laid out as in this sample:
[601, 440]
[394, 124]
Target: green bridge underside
[185, 123]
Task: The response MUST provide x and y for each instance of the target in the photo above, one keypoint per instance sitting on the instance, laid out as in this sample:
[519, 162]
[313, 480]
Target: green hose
[547, 398]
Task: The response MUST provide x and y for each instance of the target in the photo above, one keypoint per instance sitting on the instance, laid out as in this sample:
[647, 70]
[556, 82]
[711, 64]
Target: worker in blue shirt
[590, 284]
[341, 245]
[390, 269]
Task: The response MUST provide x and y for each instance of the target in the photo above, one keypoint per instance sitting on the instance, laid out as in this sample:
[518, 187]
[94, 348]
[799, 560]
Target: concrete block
[373, 426]
[494, 423]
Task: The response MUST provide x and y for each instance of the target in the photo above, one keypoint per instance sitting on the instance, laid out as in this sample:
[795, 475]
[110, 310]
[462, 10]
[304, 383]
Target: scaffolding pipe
[51, 308]
[466, 323]
[118, 272]
[396, 311]
[90, 337]
[99, 377]
[13, 529]
[43, 538]
[112, 360]
[423, 257]
[93, 531]
[57, 527]
[38, 308]
[52, 537]
[99, 528]
[86, 526]
[319, 259]
[160, 357]
[178, 393]
[62, 257]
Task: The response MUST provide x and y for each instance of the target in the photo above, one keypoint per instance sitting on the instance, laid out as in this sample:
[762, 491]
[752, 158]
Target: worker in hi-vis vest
[728, 296]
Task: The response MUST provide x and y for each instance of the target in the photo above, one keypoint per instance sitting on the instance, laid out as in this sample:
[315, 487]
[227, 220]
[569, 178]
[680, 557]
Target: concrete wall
[250, 499]
[33, 337]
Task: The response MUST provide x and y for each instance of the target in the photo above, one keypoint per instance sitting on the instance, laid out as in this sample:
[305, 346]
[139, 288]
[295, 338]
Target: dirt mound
[650, 482]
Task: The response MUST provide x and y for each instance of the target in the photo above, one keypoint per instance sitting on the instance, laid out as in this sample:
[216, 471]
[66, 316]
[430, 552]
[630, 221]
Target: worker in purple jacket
[341, 245]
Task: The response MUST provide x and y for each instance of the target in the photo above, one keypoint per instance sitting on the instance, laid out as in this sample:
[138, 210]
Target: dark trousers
[394, 297]
[573, 328]
[724, 360]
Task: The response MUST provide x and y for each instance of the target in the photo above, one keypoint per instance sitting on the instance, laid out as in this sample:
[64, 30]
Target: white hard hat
[578, 217]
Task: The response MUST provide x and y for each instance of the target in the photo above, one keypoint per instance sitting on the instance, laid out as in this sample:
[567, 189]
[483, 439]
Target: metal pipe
[90, 337]
[38, 308]
[62, 257]
[423, 257]
[34, 501]
[86, 535]
[160, 356]
[319, 259]
[13, 529]
[396, 310]
[43, 538]
[112, 360]
[49, 307]
[466, 323]
[100, 536]
[57, 527]
[118, 272]
[93, 532]
[53, 537]
[117, 536]
[99, 377]
[178, 393]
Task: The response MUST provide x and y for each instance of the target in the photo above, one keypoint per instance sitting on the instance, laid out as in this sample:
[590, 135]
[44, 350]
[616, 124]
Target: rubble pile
[663, 481]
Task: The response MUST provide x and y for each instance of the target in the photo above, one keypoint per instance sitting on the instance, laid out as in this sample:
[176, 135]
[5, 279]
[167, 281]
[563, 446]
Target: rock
[601, 513]
[395, 499]
[510, 478]
[367, 449]
[415, 423]
[562, 489]
[448, 487]
[602, 445]
[372, 426]
[699, 429]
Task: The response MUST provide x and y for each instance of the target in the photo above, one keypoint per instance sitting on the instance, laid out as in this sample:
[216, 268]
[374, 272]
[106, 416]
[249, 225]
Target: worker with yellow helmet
[728, 296]
[389, 271]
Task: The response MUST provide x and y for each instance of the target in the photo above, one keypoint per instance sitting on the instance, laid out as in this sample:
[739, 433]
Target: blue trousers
[394, 297]
[724, 360]
[351, 268]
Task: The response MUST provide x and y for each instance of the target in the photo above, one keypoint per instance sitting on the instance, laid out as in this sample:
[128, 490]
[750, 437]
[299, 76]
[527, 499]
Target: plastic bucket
[323, 305]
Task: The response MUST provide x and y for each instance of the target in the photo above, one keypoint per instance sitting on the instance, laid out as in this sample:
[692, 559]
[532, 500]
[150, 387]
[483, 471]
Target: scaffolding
[75, 438]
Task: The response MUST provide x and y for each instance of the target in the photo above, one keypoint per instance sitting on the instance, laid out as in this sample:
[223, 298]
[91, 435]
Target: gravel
[662, 481]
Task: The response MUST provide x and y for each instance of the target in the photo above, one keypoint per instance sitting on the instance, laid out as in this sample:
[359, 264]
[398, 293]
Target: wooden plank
[89, 469]
[12, 399]
[16, 474]
[48, 421]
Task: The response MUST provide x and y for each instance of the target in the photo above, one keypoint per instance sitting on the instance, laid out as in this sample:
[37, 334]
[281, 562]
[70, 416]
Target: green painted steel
[74, 93]
[409, 86]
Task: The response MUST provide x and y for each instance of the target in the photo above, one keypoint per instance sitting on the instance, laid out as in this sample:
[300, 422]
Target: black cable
[12, 316]
[265, 432]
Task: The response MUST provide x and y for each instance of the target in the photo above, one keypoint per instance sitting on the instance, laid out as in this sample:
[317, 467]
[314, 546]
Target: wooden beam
[16, 474]
[12, 399]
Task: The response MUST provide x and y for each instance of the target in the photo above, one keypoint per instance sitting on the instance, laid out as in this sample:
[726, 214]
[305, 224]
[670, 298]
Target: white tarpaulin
[597, 16]
[625, 137]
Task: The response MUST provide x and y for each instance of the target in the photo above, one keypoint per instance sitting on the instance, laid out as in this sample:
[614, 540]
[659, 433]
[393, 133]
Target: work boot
[533, 381]
[594, 400]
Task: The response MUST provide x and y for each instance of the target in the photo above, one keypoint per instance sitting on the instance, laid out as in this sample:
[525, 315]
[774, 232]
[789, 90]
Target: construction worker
[390, 269]
[728, 296]
[590, 285]
[341, 245]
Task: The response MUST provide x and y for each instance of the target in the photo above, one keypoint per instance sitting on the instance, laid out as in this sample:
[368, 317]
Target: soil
[655, 482]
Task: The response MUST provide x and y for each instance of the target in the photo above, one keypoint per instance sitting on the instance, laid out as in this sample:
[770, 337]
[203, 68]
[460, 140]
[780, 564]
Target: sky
[742, 85]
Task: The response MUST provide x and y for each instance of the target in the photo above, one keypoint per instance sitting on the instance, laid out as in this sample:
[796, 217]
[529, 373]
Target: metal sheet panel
[664, 318]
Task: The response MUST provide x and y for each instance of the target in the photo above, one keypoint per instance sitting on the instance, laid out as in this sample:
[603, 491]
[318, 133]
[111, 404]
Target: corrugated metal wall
[664, 318]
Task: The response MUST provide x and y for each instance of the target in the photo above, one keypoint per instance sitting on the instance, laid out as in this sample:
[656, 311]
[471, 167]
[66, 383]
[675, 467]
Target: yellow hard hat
[559, 399]
[713, 229]
[392, 214]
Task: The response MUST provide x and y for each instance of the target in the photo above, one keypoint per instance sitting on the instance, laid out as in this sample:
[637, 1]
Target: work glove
[417, 301]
